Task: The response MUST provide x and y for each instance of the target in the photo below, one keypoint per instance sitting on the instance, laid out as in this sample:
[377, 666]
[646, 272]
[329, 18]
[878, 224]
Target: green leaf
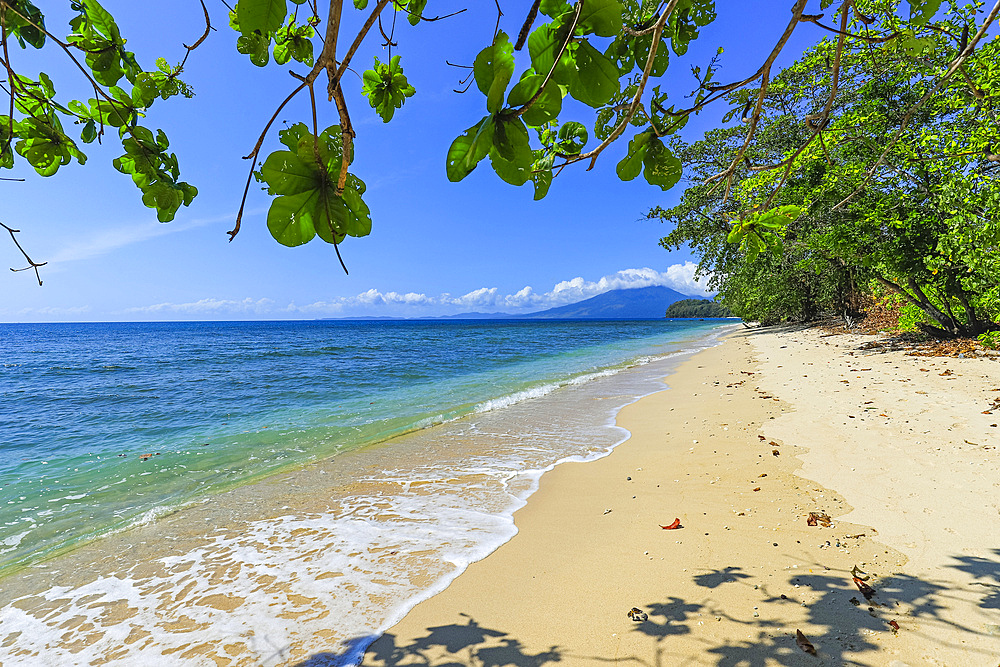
[287, 174]
[546, 108]
[305, 179]
[631, 164]
[542, 180]
[598, 78]
[511, 155]
[45, 147]
[661, 167]
[601, 17]
[261, 16]
[554, 8]
[541, 172]
[256, 46]
[290, 218]
[360, 4]
[469, 149]
[493, 68]
[572, 138]
[6, 137]
[89, 132]
[416, 10]
[386, 88]
[543, 45]
[921, 11]
[23, 30]
[102, 21]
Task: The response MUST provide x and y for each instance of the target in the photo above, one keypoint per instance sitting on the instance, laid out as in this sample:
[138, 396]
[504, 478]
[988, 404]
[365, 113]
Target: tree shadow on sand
[847, 622]
[454, 645]
[987, 575]
[844, 626]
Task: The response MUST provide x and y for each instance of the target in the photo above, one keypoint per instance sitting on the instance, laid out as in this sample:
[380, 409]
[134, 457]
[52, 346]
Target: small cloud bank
[374, 303]
[207, 309]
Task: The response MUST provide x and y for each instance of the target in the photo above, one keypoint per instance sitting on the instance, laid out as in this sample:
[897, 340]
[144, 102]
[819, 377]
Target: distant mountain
[640, 303]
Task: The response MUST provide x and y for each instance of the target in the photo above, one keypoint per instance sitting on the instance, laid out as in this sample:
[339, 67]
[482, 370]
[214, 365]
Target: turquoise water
[221, 408]
[222, 403]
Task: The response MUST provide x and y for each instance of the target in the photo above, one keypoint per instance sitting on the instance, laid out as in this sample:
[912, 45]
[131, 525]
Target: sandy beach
[895, 455]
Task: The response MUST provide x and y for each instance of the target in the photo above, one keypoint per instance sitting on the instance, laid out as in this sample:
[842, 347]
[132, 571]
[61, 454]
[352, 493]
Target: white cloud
[489, 299]
[411, 304]
[208, 307]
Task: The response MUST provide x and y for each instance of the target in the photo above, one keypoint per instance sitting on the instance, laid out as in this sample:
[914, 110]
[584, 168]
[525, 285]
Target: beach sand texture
[752, 436]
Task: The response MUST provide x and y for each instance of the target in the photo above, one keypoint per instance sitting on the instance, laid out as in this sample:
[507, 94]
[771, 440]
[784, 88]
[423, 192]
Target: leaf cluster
[38, 131]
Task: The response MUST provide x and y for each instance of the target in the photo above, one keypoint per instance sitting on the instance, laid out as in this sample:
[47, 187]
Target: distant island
[697, 308]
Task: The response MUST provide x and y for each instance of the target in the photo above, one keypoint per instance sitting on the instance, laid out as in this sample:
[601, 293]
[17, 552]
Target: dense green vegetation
[873, 167]
[697, 308]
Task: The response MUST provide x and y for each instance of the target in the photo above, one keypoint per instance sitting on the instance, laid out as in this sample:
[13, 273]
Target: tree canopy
[869, 167]
[606, 55]
[697, 308]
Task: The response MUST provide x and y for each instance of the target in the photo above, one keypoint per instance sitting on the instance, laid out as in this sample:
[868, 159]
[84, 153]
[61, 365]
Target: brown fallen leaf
[775, 452]
[762, 438]
[865, 589]
[637, 615]
[804, 643]
[674, 526]
[894, 625]
[818, 519]
[757, 489]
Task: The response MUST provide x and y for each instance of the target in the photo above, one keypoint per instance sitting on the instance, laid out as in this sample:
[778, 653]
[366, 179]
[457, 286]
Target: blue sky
[436, 247]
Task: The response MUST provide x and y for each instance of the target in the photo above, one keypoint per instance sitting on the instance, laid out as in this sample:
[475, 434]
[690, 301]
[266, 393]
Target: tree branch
[31, 264]
[957, 63]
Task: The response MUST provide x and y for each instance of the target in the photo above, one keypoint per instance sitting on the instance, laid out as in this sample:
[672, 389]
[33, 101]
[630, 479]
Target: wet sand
[751, 438]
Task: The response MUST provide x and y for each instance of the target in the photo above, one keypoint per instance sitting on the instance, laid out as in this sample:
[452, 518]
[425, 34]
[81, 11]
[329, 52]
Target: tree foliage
[873, 163]
[605, 55]
[697, 308]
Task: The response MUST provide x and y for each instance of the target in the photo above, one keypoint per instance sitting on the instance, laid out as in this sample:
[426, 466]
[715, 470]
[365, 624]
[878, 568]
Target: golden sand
[751, 438]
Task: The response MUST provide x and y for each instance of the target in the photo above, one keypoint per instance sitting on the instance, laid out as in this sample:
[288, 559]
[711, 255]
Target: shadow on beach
[843, 626]
[451, 645]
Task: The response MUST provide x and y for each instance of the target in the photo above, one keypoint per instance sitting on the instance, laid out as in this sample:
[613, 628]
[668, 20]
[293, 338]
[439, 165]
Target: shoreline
[745, 571]
[271, 572]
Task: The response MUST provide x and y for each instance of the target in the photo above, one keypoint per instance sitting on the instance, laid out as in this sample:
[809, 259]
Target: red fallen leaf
[894, 625]
[865, 589]
[804, 643]
[674, 526]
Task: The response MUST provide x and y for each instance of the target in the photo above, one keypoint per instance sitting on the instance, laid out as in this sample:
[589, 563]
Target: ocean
[247, 493]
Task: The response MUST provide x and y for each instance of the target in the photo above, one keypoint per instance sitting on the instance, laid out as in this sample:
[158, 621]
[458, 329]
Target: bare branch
[526, 28]
[31, 264]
